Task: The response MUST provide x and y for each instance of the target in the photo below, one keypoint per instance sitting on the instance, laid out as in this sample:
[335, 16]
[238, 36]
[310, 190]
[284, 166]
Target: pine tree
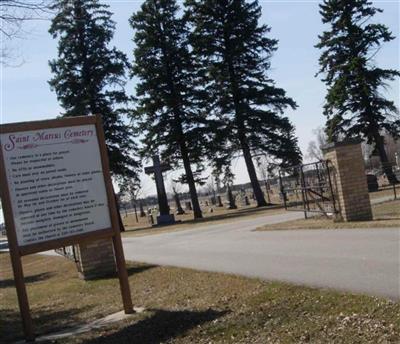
[89, 76]
[233, 57]
[169, 119]
[355, 105]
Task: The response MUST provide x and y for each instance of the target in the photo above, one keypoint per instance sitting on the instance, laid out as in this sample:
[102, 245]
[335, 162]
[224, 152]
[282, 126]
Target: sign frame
[16, 251]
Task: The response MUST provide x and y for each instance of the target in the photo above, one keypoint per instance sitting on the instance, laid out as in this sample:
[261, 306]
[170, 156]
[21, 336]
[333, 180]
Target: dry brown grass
[186, 306]
[385, 215]
[386, 191]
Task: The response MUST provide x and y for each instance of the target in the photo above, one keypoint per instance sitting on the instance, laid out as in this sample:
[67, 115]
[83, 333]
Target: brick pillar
[96, 259]
[352, 189]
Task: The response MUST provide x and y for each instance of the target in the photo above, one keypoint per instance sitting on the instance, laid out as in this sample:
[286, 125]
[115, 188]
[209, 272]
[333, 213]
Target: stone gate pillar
[96, 259]
[351, 181]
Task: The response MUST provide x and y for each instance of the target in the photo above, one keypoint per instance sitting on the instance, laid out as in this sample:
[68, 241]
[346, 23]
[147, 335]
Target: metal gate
[310, 188]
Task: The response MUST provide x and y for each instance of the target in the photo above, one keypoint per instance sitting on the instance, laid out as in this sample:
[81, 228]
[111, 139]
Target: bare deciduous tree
[314, 150]
[13, 13]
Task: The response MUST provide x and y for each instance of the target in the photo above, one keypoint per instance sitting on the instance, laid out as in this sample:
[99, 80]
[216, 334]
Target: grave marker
[231, 199]
[165, 218]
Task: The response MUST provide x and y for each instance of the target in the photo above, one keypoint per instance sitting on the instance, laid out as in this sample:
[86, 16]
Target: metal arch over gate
[310, 188]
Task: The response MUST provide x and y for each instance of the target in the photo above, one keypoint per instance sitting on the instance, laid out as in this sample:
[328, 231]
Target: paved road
[362, 261]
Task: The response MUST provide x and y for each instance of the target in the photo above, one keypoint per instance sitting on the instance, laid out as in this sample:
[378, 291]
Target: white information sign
[56, 183]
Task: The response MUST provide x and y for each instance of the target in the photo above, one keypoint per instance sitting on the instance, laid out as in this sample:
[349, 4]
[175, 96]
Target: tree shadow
[133, 270]
[44, 321]
[386, 218]
[7, 283]
[160, 327]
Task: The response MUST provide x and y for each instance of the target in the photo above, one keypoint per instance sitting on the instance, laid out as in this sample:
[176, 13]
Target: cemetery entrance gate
[310, 188]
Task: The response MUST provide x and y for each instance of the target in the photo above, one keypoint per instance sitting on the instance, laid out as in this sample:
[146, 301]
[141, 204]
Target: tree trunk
[190, 180]
[258, 194]
[386, 167]
[240, 125]
[176, 106]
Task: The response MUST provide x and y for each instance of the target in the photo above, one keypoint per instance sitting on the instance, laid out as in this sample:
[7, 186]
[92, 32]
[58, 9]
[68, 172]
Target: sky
[26, 96]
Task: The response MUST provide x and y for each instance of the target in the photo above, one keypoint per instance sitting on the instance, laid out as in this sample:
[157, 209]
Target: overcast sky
[25, 94]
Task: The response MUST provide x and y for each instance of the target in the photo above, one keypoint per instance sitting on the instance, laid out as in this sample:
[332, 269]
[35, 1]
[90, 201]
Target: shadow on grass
[159, 327]
[133, 270]
[219, 217]
[386, 218]
[44, 321]
[7, 283]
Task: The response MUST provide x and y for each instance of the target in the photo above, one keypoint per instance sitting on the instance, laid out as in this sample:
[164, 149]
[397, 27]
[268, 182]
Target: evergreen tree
[89, 76]
[233, 56]
[355, 105]
[169, 118]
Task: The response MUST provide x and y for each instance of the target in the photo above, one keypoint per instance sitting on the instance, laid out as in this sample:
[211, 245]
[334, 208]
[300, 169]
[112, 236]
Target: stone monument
[164, 217]
[231, 199]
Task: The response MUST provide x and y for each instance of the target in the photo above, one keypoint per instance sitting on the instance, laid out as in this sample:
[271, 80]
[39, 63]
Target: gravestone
[150, 216]
[231, 199]
[179, 209]
[165, 218]
[142, 213]
[188, 205]
[268, 190]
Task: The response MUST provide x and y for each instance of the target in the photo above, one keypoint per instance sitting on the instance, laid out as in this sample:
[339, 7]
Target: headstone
[142, 213]
[219, 200]
[150, 217]
[188, 205]
[268, 191]
[165, 218]
[179, 209]
[231, 199]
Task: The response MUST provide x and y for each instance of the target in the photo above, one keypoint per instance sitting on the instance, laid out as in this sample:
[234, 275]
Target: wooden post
[122, 274]
[22, 297]
[15, 256]
[116, 223]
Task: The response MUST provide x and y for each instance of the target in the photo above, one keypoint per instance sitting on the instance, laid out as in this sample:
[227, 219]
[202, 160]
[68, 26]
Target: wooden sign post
[56, 191]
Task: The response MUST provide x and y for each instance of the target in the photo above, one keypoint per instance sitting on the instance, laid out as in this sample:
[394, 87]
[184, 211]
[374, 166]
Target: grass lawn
[142, 227]
[385, 215]
[187, 222]
[186, 306]
[385, 191]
